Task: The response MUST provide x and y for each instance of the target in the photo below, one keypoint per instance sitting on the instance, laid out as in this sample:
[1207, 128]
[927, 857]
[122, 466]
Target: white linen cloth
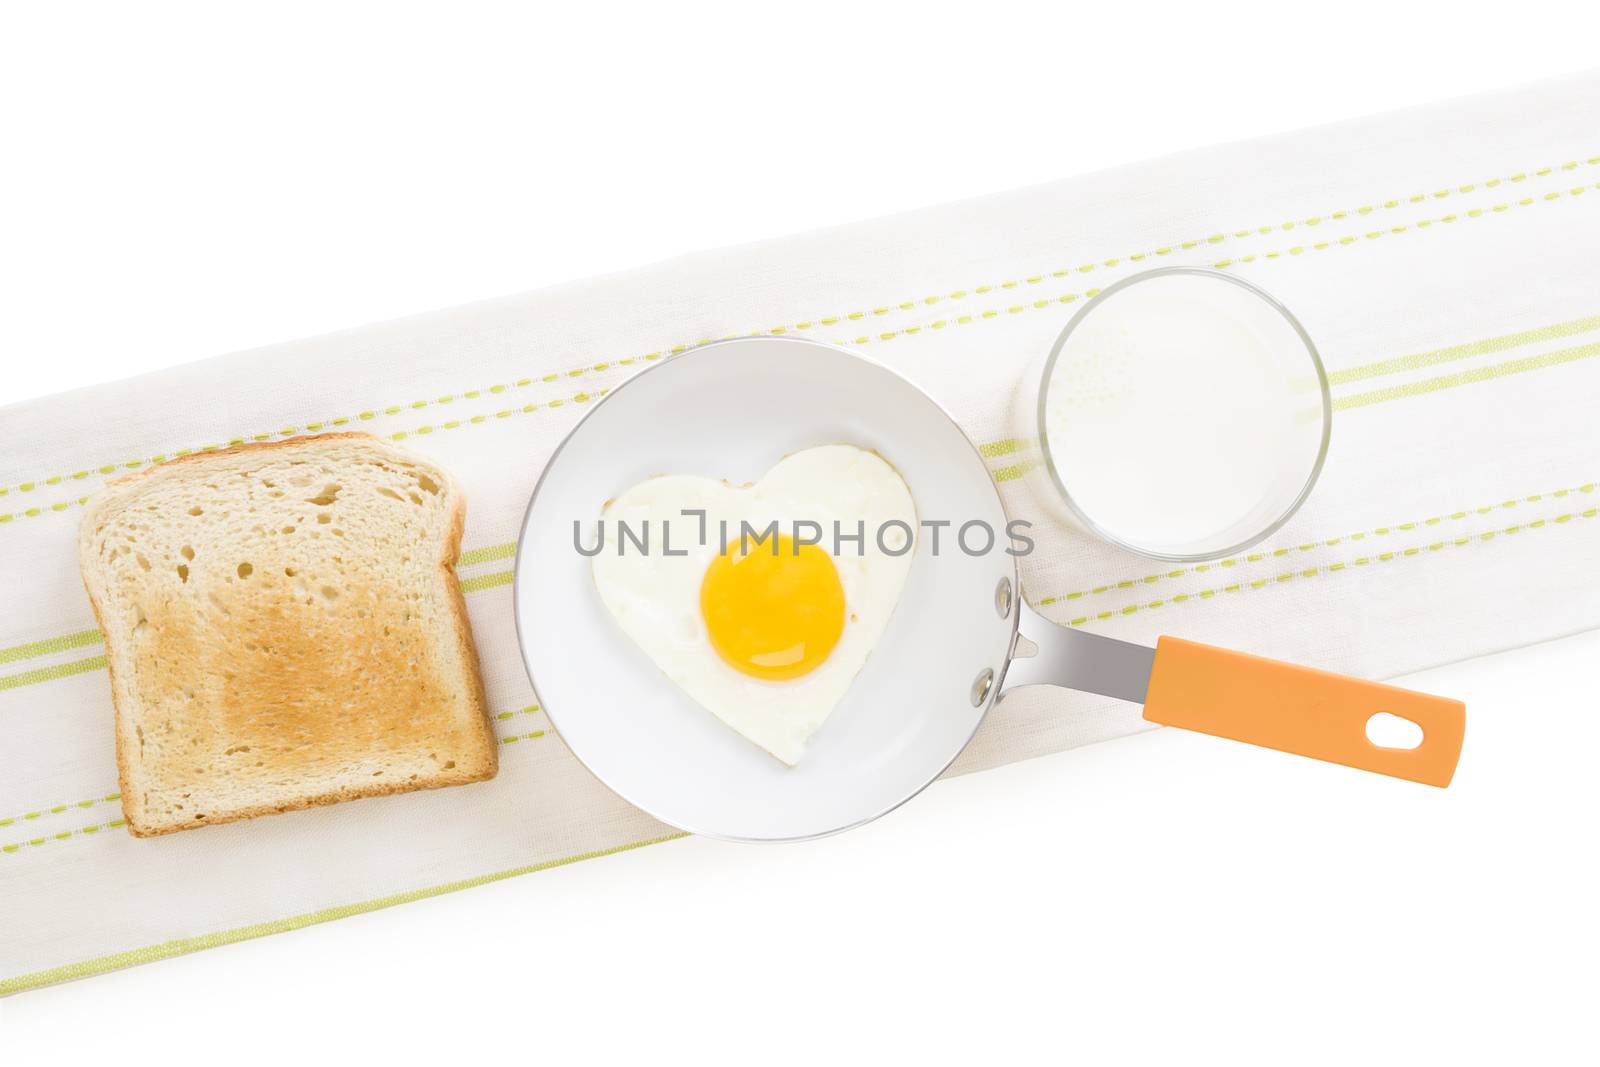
[1446, 261]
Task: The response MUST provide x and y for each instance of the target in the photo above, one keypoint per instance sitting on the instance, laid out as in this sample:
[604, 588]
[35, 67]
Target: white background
[182, 180]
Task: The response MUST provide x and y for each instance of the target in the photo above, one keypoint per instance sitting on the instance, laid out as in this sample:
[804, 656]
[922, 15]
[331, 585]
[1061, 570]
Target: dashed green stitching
[319, 427]
[531, 709]
[48, 509]
[855, 316]
[1331, 542]
[966, 320]
[1335, 568]
[1420, 224]
[1170, 249]
[526, 409]
[57, 809]
[479, 583]
[167, 949]
[1180, 598]
[1224, 264]
[82, 666]
[82, 831]
[291, 431]
[1009, 446]
[83, 638]
[1000, 448]
[514, 738]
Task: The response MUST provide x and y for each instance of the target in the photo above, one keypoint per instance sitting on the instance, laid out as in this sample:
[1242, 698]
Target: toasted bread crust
[319, 800]
[475, 766]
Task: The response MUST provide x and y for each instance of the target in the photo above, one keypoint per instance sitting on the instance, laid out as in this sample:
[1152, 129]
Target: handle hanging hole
[1393, 731]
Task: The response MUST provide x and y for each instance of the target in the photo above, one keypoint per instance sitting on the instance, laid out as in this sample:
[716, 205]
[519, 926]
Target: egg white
[655, 598]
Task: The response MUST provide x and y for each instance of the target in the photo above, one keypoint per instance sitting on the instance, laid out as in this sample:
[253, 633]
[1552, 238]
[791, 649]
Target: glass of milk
[1183, 414]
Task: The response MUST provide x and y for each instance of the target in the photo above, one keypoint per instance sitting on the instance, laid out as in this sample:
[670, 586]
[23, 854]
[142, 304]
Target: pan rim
[518, 573]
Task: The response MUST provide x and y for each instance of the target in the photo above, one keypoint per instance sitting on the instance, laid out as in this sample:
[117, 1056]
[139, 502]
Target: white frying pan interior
[732, 410]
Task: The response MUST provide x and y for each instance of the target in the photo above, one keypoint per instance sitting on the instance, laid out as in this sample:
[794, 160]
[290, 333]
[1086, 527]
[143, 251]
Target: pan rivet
[1002, 598]
[980, 687]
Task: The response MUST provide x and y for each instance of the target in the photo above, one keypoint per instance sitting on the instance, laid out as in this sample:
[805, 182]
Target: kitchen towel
[1446, 260]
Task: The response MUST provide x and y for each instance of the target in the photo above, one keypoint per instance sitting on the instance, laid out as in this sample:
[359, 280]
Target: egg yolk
[773, 615]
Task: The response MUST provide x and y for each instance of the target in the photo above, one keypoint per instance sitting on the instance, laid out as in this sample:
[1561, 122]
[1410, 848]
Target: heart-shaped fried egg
[761, 602]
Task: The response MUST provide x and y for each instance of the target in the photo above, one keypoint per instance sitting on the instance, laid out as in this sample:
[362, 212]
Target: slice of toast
[284, 628]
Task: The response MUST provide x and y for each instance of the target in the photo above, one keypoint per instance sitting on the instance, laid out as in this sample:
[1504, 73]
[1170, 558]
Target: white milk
[1183, 415]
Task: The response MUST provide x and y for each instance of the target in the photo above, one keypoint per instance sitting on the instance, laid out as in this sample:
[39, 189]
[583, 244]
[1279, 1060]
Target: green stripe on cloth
[66, 670]
[1330, 569]
[49, 645]
[1012, 446]
[63, 835]
[487, 554]
[486, 581]
[1393, 529]
[50, 674]
[57, 809]
[1004, 447]
[862, 314]
[1466, 351]
[1469, 377]
[166, 949]
[83, 638]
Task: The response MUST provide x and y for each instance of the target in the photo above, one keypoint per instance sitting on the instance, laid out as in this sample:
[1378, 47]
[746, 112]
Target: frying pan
[961, 638]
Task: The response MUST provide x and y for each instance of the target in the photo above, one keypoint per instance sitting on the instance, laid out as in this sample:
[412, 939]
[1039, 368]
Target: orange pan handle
[1301, 710]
